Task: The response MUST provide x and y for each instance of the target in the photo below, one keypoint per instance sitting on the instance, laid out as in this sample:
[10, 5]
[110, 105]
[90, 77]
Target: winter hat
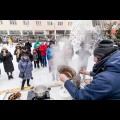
[24, 48]
[104, 48]
[18, 46]
[25, 54]
[4, 48]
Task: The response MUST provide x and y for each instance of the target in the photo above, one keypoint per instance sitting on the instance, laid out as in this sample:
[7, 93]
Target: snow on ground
[41, 76]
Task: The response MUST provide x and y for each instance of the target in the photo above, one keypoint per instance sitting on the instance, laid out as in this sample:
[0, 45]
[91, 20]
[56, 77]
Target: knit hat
[104, 48]
[4, 48]
[24, 54]
[24, 48]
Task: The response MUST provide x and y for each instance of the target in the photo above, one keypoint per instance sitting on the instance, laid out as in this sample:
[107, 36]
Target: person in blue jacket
[106, 75]
[49, 53]
[49, 56]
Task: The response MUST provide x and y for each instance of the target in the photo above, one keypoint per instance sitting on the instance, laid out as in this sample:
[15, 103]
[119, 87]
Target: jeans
[44, 62]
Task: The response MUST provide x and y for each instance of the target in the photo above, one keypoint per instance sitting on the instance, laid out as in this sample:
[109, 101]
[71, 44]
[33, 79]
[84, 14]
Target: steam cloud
[62, 51]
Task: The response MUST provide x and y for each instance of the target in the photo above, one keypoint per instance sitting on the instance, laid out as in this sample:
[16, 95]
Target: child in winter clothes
[35, 59]
[25, 65]
[39, 55]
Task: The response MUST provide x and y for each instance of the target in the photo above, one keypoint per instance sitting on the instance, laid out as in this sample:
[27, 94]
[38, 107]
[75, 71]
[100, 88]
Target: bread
[14, 96]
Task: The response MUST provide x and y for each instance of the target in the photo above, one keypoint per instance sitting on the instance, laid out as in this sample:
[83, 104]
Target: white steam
[64, 51]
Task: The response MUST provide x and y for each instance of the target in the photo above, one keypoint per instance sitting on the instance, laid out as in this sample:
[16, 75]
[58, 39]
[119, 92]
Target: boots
[28, 83]
[9, 77]
[23, 83]
[12, 77]
[38, 66]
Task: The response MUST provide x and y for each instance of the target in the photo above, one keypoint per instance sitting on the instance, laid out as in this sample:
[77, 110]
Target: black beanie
[25, 54]
[104, 48]
[24, 48]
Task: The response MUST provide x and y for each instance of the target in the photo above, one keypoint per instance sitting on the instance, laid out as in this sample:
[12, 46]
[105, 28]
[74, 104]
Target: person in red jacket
[42, 50]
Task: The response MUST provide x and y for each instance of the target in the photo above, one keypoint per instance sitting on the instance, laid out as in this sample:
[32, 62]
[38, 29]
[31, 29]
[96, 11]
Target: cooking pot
[75, 78]
[40, 90]
[67, 70]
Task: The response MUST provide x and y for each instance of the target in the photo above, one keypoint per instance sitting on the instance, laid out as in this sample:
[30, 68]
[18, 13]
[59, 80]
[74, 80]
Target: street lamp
[54, 30]
[27, 24]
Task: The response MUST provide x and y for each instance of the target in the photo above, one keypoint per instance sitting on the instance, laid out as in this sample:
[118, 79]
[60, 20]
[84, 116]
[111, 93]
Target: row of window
[30, 32]
[96, 22]
[38, 23]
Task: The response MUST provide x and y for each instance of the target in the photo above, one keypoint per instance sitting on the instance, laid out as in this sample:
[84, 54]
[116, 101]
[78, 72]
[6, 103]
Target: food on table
[14, 96]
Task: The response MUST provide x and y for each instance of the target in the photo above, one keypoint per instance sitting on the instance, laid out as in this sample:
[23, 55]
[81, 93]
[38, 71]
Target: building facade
[34, 27]
[102, 23]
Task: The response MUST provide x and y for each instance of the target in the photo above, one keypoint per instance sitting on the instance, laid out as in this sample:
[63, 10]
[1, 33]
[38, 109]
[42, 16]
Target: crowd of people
[6, 40]
[26, 57]
[105, 73]
[41, 54]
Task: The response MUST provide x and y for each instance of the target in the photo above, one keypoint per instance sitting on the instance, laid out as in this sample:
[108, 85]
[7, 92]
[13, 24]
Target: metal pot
[62, 69]
[74, 78]
[40, 90]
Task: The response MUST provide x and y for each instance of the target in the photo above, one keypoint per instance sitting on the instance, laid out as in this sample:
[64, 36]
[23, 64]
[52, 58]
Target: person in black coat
[6, 57]
[28, 45]
[17, 52]
[0, 40]
[26, 51]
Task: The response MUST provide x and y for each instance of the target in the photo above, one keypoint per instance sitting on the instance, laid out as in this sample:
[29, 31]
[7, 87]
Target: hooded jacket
[26, 67]
[105, 84]
[36, 43]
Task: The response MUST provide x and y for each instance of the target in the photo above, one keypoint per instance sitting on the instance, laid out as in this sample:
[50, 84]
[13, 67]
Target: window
[37, 32]
[67, 32]
[1, 22]
[60, 23]
[70, 23]
[60, 31]
[49, 23]
[13, 22]
[95, 22]
[4, 32]
[25, 22]
[38, 23]
[17, 32]
[25, 32]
